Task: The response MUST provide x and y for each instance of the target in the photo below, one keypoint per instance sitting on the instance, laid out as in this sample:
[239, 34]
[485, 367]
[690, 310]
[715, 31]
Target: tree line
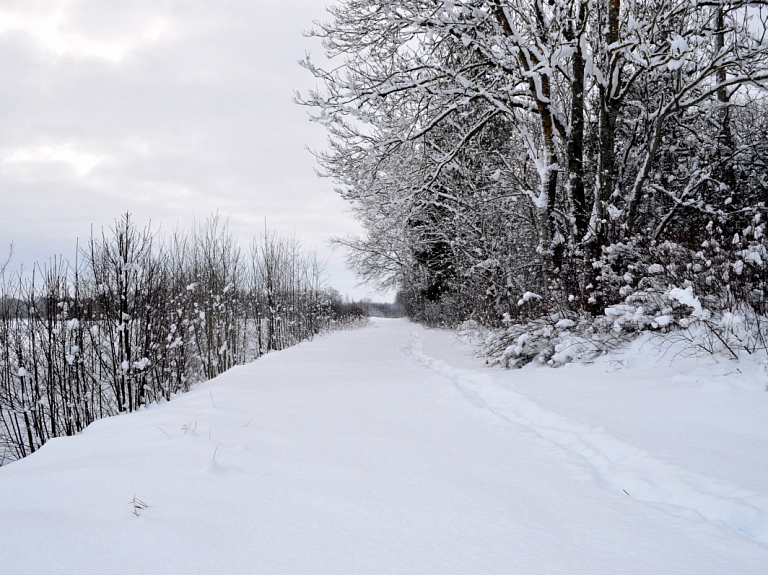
[138, 317]
[514, 159]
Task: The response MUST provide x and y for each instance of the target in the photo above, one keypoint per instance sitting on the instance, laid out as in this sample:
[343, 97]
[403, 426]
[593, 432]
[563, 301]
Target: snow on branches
[496, 147]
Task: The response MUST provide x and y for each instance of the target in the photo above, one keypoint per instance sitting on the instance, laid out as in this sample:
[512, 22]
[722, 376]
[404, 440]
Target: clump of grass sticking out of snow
[138, 505]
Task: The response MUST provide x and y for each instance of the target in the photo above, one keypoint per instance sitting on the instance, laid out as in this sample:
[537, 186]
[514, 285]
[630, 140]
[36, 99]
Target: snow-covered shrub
[729, 333]
[554, 341]
[713, 295]
[139, 318]
[711, 298]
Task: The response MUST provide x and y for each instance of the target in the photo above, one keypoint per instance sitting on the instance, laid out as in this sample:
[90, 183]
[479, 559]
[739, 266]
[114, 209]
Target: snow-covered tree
[579, 123]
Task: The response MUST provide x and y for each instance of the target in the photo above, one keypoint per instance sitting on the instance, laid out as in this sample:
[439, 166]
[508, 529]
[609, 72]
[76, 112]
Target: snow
[663, 320]
[527, 296]
[393, 450]
[142, 364]
[678, 50]
[686, 297]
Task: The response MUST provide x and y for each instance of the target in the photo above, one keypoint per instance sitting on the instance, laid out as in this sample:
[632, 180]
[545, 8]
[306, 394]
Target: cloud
[79, 161]
[170, 110]
[58, 31]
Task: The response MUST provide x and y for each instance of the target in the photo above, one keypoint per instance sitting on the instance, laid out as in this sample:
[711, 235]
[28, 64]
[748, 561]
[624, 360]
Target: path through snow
[390, 450]
[619, 466]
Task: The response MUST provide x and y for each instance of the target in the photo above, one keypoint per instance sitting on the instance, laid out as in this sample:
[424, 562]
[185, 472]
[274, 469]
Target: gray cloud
[168, 109]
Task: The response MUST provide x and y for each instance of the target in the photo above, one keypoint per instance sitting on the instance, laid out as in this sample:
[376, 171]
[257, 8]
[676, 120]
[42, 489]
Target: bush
[137, 319]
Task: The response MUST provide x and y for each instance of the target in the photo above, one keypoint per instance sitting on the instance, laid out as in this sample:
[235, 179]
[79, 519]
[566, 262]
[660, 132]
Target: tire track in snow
[619, 466]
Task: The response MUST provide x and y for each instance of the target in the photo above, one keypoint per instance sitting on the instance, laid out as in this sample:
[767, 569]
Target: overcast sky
[169, 109]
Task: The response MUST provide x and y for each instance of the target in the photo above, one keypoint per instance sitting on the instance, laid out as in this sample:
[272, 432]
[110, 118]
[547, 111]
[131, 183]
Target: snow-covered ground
[392, 450]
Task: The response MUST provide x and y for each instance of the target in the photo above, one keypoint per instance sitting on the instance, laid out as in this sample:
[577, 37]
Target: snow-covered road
[392, 450]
